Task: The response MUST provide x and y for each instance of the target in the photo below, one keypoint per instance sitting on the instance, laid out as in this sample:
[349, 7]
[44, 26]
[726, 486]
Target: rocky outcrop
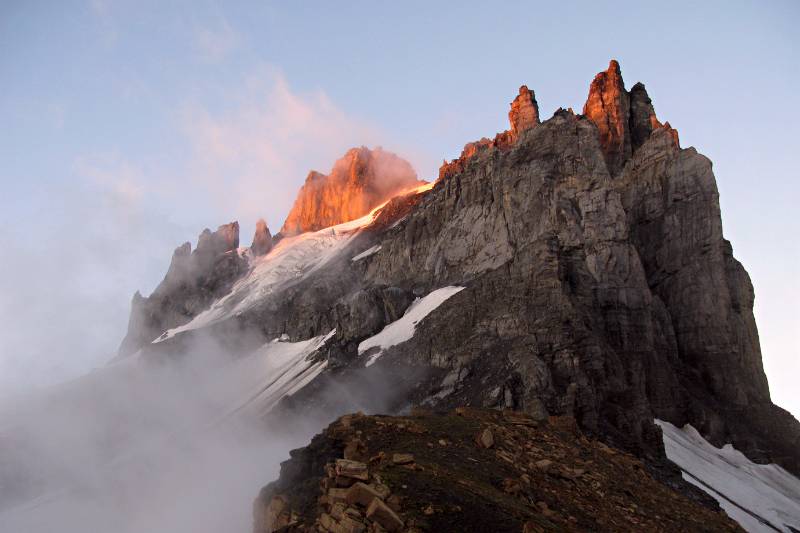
[226, 238]
[608, 106]
[194, 280]
[524, 113]
[642, 116]
[262, 239]
[624, 119]
[359, 182]
[523, 116]
[430, 472]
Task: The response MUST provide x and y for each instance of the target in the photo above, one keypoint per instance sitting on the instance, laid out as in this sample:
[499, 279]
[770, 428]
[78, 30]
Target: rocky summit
[359, 181]
[572, 267]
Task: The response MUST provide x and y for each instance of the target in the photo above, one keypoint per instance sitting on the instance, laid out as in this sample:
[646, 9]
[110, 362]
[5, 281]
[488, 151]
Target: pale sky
[128, 127]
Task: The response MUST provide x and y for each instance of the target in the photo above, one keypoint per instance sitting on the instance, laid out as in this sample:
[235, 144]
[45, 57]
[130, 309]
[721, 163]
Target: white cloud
[215, 44]
[67, 289]
[117, 176]
[252, 158]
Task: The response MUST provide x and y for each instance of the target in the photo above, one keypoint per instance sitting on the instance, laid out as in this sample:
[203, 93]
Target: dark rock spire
[262, 239]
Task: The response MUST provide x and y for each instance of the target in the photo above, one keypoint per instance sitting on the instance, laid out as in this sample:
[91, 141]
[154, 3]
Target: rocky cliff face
[598, 285]
[359, 182]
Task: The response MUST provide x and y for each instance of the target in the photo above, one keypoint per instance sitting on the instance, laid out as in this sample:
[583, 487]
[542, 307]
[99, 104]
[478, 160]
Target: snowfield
[759, 497]
[403, 328]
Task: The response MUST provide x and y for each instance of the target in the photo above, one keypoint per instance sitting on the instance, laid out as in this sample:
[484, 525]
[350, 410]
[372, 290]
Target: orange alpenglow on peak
[624, 119]
[524, 113]
[360, 181]
[523, 116]
[608, 106]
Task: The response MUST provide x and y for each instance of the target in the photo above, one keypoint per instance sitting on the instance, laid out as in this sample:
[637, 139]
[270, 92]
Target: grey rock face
[600, 284]
[262, 239]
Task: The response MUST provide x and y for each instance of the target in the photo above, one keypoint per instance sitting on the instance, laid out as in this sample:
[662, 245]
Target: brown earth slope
[470, 470]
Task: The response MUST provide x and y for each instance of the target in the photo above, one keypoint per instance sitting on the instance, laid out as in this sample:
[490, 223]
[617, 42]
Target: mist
[158, 442]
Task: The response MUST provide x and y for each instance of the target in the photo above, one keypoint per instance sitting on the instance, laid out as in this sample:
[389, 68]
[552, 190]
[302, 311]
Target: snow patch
[366, 253]
[279, 368]
[403, 328]
[759, 497]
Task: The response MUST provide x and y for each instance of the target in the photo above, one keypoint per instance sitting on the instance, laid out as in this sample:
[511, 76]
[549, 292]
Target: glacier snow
[760, 498]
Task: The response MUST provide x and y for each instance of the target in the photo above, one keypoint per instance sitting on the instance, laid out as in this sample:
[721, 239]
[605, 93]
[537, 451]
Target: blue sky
[128, 127]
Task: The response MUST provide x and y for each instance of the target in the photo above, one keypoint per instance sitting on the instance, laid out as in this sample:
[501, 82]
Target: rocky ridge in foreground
[470, 470]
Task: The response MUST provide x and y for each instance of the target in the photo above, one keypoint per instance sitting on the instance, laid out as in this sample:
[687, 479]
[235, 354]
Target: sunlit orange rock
[359, 182]
[624, 119]
[524, 115]
[608, 106]
[673, 133]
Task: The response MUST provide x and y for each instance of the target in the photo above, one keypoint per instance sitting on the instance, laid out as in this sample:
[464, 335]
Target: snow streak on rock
[759, 497]
[403, 328]
[366, 253]
[278, 369]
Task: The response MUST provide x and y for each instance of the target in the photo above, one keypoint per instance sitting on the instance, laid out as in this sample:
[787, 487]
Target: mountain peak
[226, 238]
[524, 113]
[523, 116]
[360, 181]
[608, 106]
[262, 239]
[624, 119]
